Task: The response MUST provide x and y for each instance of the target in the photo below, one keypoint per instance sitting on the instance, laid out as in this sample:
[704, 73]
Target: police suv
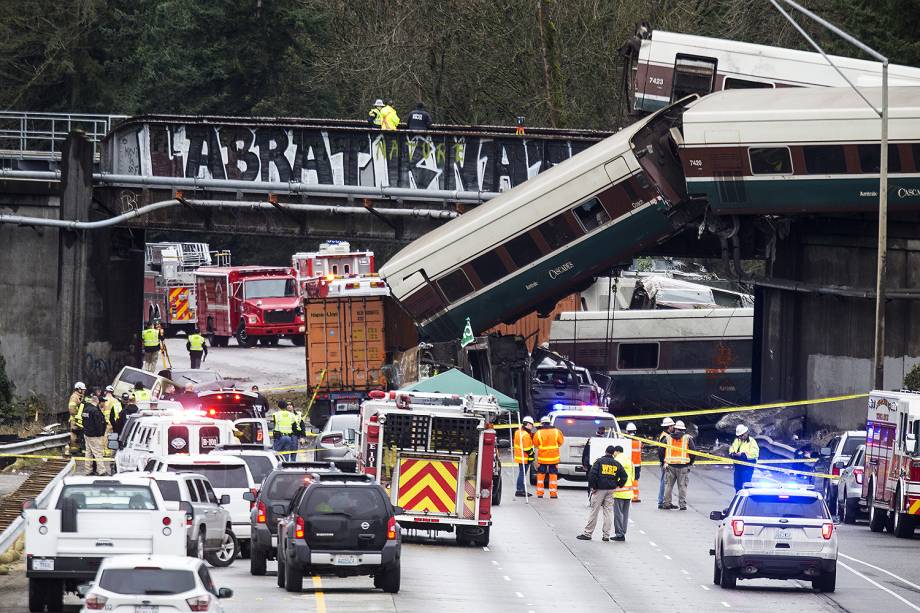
[775, 532]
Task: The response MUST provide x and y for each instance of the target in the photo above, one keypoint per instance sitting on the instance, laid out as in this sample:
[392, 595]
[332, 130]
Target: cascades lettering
[554, 273]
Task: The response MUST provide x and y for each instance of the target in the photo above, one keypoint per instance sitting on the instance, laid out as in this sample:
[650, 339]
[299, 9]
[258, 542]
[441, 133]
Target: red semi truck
[252, 303]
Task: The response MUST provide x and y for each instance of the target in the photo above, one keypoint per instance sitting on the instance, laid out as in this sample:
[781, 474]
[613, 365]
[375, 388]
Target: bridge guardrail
[41, 136]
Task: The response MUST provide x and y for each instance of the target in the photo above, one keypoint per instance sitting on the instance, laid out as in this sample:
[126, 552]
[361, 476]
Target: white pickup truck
[91, 518]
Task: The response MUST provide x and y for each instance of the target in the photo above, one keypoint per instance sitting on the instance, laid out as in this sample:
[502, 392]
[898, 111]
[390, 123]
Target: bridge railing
[41, 136]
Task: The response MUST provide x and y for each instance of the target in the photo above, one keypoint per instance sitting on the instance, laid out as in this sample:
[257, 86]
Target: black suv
[341, 525]
[278, 489]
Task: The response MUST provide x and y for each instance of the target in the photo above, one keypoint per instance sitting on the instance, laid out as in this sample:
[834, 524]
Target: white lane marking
[519, 595]
[667, 557]
[878, 568]
[631, 521]
[879, 586]
[485, 549]
[726, 605]
[652, 543]
[685, 572]
[705, 587]
[495, 562]
[506, 578]
[641, 531]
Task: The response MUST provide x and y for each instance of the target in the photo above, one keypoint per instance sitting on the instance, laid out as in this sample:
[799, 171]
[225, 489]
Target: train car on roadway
[795, 151]
[668, 66]
[529, 247]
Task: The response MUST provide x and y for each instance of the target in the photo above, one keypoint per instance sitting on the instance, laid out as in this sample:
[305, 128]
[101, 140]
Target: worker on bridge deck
[547, 440]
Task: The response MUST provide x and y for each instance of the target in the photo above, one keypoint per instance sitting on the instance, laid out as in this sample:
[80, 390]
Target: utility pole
[878, 358]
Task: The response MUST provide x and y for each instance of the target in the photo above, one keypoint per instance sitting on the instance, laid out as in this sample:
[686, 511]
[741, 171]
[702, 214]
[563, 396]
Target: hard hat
[109, 388]
[125, 396]
[740, 429]
[528, 420]
[667, 421]
[679, 425]
[378, 102]
[79, 385]
[630, 427]
[545, 419]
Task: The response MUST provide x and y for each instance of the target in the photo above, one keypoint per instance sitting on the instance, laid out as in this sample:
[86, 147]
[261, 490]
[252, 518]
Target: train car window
[557, 232]
[455, 286]
[523, 250]
[591, 214]
[693, 75]
[733, 83]
[770, 160]
[825, 159]
[637, 356]
[915, 148]
[489, 267]
[870, 158]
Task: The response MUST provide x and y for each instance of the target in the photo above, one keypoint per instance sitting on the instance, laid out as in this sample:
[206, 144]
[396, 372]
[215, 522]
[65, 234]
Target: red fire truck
[435, 454]
[891, 483]
[333, 259]
[252, 303]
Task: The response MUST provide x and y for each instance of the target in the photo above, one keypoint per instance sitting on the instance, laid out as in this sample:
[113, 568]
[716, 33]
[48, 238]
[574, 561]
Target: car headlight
[253, 319]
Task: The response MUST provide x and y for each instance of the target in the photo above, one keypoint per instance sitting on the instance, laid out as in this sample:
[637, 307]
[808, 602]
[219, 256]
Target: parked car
[209, 531]
[261, 460]
[833, 457]
[199, 378]
[342, 525]
[149, 584]
[559, 384]
[336, 441]
[128, 376]
[227, 475]
[775, 533]
[278, 488]
[850, 503]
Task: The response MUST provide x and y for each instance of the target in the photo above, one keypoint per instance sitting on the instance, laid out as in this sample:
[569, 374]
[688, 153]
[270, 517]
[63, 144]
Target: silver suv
[775, 533]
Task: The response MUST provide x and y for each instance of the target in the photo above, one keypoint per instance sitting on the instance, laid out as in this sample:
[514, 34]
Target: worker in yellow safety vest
[389, 119]
[73, 405]
[140, 393]
[668, 424]
[150, 338]
[547, 440]
[111, 408]
[373, 116]
[283, 431]
[745, 449]
[522, 450]
[636, 460]
[622, 496]
[197, 348]
[677, 459]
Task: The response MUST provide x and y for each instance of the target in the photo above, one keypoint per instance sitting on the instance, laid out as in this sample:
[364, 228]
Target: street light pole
[878, 358]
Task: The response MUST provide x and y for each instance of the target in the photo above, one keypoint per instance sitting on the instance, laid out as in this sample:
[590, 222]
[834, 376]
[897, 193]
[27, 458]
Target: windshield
[583, 426]
[852, 444]
[195, 377]
[147, 581]
[133, 376]
[347, 424]
[355, 502]
[258, 465]
[221, 476]
[114, 497]
[782, 505]
[284, 486]
[559, 377]
[269, 288]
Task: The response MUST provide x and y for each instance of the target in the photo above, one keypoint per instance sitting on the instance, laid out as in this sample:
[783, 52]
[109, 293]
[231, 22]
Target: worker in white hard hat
[636, 458]
[373, 116]
[668, 424]
[745, 449]
[73, 404]
[522, 451]
[677, 459]
[547, 441]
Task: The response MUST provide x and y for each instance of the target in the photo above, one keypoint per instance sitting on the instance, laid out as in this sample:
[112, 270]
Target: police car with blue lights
[775, 531]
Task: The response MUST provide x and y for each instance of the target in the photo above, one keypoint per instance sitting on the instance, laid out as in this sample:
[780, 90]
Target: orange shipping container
[345, 338]
[533, 328]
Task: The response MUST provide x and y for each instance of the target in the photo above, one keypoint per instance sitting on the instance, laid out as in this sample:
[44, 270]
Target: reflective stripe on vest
[196, 342]
[748, 448]
[284, 422]
[523, 445]
[151, 337]
[676, 450]
[547, 442]
[637, 453]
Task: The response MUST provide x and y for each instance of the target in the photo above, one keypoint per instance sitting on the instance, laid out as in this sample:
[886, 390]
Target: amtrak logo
[365, 525]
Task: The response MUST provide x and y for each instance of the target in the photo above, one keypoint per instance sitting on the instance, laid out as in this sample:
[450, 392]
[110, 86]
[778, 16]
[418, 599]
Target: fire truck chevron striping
[178, 304]
[428, 485]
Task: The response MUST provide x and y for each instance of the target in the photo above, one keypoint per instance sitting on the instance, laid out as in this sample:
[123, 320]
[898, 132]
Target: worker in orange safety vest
[522, 444]
[636, 460]
[547, 440]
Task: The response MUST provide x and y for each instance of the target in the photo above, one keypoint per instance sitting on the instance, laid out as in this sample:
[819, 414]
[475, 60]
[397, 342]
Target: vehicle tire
[877, 517]
[902, 524]
[225, 555]
[850, 510]
[293, 578]
[257, 561]
[497, 490]
[826, 582]
[245, 340]
[280, 577]
[197, 548]
[388, 580]
[728, 580]
[481, 540]
[245, 548]
[299, 341]
[829, 496]
[716, 572]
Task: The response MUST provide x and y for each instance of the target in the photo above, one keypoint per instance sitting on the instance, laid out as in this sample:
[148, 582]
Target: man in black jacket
[129, 409]
[94, 426]
[605, 476]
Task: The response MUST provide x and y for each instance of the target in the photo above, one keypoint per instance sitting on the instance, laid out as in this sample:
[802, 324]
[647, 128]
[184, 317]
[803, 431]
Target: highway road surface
[535, 564]
[266, 367]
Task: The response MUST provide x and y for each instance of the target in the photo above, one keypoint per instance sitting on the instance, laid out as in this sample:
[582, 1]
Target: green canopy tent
[454, 381]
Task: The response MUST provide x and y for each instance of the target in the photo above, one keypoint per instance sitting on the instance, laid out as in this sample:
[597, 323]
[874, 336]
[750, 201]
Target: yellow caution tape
[752, 407]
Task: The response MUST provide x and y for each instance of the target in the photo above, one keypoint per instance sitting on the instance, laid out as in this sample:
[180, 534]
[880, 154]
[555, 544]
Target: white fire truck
[891, 483]
[435, 454]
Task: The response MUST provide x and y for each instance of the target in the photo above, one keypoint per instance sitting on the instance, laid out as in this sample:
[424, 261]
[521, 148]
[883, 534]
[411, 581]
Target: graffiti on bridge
[101, 363]
[334, 156]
